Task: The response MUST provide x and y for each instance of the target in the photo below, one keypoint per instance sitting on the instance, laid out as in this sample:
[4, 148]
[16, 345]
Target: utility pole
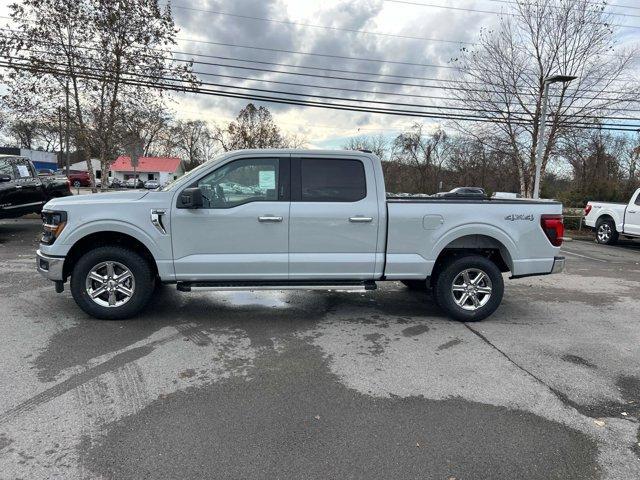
[68, 160]
[543, 124]
[61, 156]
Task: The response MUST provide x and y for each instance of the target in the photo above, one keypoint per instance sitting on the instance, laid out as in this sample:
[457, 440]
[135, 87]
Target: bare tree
[503, 77]
[426, 152]
[377, 144]
[254, 127]
[147, 123]
[191, 140]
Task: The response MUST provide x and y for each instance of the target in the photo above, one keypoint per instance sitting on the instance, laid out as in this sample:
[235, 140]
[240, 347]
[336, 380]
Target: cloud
[321, 126]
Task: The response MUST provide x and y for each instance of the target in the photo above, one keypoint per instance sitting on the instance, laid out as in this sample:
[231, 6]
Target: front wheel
[112, 283]
[606, 232]
[469, 288]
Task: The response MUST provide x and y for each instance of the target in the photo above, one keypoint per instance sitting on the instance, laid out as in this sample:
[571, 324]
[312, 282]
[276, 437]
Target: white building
[82, 166]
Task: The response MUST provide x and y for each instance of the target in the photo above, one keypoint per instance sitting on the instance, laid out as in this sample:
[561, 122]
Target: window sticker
[23, 171]
[267, 179]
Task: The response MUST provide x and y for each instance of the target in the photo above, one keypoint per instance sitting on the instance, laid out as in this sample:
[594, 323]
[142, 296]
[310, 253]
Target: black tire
[450, 272]
[77, 184]
[139, 268]
[606, 233]
[417, 285]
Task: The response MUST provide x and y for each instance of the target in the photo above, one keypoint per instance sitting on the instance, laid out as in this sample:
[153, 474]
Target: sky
[401, 31]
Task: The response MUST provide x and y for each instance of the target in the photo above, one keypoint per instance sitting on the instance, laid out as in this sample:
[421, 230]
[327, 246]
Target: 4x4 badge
[513, 217]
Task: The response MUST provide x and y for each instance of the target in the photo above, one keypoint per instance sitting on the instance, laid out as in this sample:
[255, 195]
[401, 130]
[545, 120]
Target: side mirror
[191, 198]
[5, 178]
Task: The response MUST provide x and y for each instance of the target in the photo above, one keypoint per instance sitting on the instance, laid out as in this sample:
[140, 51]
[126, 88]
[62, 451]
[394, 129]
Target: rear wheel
[606, 232]
[469, 288]
[77, 184]
[112, 283]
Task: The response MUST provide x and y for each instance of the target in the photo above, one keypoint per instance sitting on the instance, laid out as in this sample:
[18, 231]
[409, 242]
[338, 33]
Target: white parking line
[584, 256]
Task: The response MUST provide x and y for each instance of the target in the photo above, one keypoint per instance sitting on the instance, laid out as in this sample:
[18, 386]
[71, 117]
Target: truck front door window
[241, 181]
[6, 168]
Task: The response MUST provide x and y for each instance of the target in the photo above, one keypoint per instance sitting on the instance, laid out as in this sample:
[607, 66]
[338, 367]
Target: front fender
[79, 232]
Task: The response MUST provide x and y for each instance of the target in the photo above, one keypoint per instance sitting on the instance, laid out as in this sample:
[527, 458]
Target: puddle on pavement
[271, 298]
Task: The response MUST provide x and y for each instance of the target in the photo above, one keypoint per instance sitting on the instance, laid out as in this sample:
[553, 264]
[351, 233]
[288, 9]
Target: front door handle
[269, 218]
[360, 219]
[631, 211]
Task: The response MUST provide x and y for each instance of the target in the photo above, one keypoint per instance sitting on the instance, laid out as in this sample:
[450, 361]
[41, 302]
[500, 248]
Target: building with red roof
[163, 169]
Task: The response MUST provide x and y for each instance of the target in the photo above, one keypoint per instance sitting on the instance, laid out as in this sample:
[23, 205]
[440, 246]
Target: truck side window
[332, 180]
[241, 181]
[24, 169]
[6, 168]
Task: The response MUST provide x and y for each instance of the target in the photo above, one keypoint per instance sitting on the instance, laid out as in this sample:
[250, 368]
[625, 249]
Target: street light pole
[543, 124]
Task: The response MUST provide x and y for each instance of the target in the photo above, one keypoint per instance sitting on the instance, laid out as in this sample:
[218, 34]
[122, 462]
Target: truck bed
[420, 228]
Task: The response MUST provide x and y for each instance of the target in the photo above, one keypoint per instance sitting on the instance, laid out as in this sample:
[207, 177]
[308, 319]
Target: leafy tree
[92, 51]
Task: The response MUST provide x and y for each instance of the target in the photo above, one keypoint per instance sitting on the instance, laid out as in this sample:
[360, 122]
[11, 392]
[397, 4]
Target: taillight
[553, 228]
[587, 209]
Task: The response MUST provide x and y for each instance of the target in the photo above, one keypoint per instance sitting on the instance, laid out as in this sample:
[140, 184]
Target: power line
[297, 52]
[493, 12]
[374, 82]
[597, 4]
[324, 69]
[368, 32]
[373, 92]
[337, 106]
[325, 27]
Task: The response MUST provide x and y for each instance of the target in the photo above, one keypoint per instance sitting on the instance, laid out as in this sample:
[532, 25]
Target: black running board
[278, 285]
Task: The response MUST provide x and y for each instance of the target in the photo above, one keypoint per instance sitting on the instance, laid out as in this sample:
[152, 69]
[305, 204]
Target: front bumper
[558, 265]
[50, 267]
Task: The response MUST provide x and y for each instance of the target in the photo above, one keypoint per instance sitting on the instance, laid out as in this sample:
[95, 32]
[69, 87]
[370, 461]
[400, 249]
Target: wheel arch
[497, 250]
[102, 239]
[604, 217]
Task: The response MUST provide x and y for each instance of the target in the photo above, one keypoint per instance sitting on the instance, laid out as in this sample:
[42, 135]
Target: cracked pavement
[313, 384]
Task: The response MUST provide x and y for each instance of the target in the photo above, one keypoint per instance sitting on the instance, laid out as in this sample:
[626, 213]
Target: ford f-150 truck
[282, 219]
[22, 190]
[610, 220]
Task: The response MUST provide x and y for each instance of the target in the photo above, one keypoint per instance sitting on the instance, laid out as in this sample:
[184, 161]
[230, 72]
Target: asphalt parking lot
[324, 384]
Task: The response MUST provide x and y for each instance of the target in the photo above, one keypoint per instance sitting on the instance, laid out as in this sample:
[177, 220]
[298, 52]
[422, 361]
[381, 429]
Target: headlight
[52, 223]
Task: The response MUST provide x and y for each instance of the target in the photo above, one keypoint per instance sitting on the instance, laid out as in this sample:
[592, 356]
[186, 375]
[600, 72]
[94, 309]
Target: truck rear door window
[332, 180]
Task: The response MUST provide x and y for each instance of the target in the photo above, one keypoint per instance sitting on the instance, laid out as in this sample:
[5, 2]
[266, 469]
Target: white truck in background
[612, 220]
[282, 219]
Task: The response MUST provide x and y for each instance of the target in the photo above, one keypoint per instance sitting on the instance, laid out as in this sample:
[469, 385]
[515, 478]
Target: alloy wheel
[471, 289]
[604, 232]
[110, 284]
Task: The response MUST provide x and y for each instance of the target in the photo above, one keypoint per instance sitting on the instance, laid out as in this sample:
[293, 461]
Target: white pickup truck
[610, 220]
[282, 219]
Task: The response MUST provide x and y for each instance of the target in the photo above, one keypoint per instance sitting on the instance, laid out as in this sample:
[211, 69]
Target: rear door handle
[631, 211]
[359, 219]
[269, 218]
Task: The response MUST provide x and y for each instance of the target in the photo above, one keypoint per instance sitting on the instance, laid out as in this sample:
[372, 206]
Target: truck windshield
[192, 173]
